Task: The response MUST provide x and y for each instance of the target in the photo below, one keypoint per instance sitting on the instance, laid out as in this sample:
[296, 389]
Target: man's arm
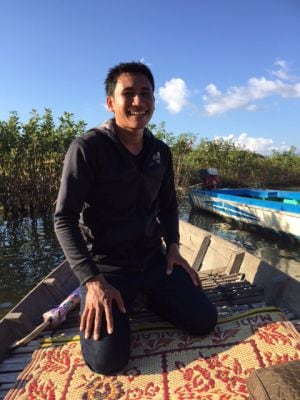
[76, 182]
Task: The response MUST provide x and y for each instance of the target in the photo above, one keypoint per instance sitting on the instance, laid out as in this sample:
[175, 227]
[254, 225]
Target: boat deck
[230, 293]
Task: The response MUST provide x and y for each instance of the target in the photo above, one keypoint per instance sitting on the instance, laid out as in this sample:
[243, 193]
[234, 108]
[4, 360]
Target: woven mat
[166, 364]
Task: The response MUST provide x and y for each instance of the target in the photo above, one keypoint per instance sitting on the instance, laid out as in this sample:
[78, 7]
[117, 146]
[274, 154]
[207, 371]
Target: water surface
[28, 251]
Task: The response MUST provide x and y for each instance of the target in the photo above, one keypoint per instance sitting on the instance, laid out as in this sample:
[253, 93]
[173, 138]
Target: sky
[222, 68]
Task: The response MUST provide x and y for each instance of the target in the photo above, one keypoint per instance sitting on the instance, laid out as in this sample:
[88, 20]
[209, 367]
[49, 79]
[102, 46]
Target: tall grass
[31, 160]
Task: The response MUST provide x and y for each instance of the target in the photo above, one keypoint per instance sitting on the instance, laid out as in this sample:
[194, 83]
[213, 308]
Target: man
[115, 204]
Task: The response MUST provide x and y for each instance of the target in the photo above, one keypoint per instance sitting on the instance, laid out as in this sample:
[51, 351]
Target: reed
[31, 160]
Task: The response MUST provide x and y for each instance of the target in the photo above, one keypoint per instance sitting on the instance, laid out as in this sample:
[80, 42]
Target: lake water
[277, 250]
[29, 250]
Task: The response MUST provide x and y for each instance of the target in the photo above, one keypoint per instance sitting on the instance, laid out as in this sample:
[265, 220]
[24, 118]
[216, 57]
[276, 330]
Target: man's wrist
[97, 278]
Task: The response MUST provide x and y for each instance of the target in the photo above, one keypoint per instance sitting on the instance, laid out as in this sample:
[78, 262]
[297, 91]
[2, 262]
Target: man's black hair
[128, 67]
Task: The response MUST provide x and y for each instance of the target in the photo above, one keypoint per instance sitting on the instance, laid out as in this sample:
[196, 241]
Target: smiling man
[115, 208]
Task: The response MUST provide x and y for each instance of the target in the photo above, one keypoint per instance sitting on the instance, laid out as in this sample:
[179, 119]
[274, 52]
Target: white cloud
[258, 145]
[174, 94]
[283, 71]
[256, 89]
[252, 107]
[212, 91]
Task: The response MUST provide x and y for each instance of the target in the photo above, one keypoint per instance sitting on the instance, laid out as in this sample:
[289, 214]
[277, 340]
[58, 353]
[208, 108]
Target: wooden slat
[7, 336]
[29, 348]
[193, 243]
[222, 254]
[4, 389]
[296, 323]
[9, 377]
[6, 386]
[16, 358]
[13, 367]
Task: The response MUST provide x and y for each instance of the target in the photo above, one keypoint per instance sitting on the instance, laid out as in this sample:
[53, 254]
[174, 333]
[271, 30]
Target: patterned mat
[166, 364]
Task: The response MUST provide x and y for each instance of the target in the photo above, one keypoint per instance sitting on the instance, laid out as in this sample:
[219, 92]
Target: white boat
[274, 210]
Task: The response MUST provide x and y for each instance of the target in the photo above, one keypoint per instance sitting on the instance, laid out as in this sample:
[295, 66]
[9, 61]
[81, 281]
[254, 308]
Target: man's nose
[137, 99]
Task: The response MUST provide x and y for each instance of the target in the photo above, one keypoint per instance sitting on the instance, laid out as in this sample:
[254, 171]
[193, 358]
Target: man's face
[132, 102]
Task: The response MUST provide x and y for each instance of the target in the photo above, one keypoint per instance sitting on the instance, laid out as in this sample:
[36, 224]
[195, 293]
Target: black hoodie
[113, 208]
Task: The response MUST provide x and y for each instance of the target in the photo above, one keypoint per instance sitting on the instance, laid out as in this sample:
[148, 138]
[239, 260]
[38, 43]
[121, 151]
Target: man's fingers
[83, 320]
[89, 324]
[97, 303]
[109, 317]
[97, 324]
[193, 274]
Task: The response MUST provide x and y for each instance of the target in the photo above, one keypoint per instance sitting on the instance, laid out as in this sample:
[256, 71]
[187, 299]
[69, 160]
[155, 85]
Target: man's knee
[105, 357]
[107, 365]
[204, 321]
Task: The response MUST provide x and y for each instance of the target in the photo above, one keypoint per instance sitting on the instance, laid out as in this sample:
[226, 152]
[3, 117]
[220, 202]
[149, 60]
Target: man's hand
[98, 301]
[174, 258]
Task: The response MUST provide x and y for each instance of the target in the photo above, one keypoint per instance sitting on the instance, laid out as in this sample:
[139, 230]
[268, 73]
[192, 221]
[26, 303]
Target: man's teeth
[137, 112]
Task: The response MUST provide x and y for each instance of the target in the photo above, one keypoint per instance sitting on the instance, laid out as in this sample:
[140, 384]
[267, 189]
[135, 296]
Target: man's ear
[110, 103]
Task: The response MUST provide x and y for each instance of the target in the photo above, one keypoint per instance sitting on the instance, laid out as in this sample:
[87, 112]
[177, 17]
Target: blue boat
[275, 210]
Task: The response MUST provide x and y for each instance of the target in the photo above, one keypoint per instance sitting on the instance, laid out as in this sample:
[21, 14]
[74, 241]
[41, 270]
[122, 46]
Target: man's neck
[133, 141]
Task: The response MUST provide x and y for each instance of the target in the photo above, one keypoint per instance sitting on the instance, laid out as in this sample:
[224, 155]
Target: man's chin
[140, 124]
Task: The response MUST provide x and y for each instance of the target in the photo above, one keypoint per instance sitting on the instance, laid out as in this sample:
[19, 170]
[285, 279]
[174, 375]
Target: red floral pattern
[167, 364]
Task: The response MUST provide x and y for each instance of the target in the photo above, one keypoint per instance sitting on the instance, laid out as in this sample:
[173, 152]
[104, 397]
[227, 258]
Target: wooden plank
[193, 243]
[296, 323]
[46, 295]
[29, 348]
[222, 254]
[66, 331]
[65, 278]
[4, 390]
[17, 358]
[13, 367]
[9, 377]
[6, 386]
[54, 286]
[19, 321]
[279, 288]
[7, 336]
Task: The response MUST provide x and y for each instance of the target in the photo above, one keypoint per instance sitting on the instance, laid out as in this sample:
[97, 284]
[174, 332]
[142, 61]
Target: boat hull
[282, 218]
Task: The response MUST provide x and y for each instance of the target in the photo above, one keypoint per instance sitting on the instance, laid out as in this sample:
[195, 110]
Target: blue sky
[223, 68]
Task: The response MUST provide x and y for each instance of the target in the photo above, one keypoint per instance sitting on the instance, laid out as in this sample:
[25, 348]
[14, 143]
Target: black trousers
[173, 297]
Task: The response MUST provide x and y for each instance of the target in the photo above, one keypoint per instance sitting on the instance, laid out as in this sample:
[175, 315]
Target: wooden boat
[235, 280]
[274, 210]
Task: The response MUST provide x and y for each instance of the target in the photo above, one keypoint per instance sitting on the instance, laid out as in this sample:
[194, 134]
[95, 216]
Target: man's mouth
[138, 113]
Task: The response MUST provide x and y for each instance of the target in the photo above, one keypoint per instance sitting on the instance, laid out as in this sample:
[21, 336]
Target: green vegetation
[31, 160]
[32, 156]
[237, 167]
